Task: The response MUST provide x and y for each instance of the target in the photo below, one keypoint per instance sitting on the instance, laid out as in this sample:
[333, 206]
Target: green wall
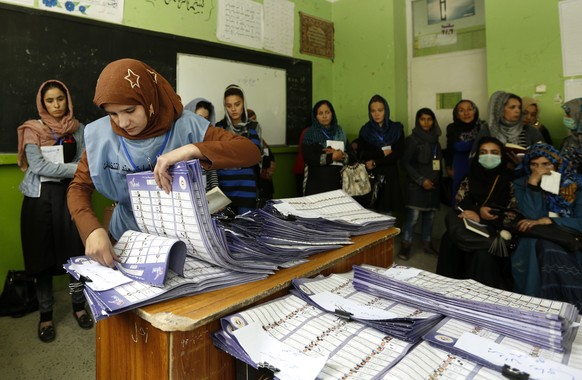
[523, 49]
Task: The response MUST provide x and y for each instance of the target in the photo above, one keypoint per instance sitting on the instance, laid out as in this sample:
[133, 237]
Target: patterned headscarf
[318, 134]
[380, 135]
[573, 108]
[50, 130]
[132, 82]
[561, 203]
[505, 131]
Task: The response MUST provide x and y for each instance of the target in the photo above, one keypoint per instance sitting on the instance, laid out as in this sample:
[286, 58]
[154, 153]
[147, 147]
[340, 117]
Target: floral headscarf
[561, 203]
[132, 82]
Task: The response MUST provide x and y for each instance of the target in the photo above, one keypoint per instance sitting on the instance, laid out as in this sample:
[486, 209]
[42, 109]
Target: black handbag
[19, 295]
[566, 237]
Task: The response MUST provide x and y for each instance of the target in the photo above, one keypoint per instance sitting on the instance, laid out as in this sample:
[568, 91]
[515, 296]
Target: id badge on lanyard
[436, 163]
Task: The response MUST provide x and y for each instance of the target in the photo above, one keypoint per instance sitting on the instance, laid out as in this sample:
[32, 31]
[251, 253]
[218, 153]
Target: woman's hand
[470, 214]
[427, 184]
[162, 177]
[536, 174]
[485, 213]
[336, 154]
[370, 165]
[525, 224]
[98, 247]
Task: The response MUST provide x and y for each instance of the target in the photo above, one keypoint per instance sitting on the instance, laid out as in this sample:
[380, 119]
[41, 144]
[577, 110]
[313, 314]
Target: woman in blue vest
[145, 129]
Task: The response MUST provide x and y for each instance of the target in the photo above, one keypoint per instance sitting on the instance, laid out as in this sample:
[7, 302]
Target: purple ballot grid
[170, 215]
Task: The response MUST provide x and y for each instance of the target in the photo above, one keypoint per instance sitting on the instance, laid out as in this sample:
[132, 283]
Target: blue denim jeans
[412, 216]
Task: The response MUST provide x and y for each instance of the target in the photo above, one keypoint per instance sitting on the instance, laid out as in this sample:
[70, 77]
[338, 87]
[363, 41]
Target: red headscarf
[47, 132]
[132, 82]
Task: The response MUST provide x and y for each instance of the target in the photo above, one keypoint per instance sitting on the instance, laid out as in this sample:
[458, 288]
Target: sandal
[84, 321]
[46, 334]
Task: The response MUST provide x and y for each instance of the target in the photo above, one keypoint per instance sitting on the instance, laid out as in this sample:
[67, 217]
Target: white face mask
[489, 161]
[570, 123]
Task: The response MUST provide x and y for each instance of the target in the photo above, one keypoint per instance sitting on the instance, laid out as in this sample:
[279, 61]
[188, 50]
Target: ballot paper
[551, 182]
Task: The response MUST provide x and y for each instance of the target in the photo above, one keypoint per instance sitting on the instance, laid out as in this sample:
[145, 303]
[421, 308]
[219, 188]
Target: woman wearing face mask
[505, 123]
[487, 185]
[573, 122]
[541, 268]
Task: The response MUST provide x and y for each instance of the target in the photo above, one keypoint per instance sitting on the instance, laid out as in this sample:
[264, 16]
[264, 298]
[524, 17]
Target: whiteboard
[570, 30]
[264, 88]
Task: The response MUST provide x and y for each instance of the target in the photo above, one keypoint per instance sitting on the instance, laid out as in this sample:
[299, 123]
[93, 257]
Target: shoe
[404, 253]
[84, 321]
[428, 248]
[46, 334]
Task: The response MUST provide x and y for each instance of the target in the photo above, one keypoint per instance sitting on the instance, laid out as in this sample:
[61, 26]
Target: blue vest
[109, 163]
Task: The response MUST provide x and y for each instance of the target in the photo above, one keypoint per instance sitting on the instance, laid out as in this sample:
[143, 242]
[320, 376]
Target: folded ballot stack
[182, 249]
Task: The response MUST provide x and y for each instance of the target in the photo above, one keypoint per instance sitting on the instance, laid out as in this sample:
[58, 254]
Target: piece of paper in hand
[551, 183]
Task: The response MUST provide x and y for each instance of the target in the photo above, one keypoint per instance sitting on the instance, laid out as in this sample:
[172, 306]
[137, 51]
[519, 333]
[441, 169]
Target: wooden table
[171, 339]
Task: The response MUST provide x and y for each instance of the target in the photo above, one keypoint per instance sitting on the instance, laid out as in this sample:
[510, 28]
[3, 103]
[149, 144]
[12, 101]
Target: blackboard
[37, 45]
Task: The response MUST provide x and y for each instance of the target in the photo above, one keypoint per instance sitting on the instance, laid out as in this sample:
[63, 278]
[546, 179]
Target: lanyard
[325, 133]
[59, 141]
[152, 165]
[435, 151]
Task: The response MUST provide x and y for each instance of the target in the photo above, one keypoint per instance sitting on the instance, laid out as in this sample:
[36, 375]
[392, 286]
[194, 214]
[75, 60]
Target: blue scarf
[318, 134]
[381, 135]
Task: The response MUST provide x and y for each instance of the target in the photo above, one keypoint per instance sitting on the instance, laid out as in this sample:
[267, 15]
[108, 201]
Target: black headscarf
[432, 136]
[460, 126]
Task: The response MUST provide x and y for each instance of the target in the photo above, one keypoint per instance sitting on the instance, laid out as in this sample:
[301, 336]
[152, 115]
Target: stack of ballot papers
[108, 291]
[545, 323]
[336, 294]
[181, 249]
[494, 350]
[297, 340]
[332, 211]
[296, 337]
[263, 236]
